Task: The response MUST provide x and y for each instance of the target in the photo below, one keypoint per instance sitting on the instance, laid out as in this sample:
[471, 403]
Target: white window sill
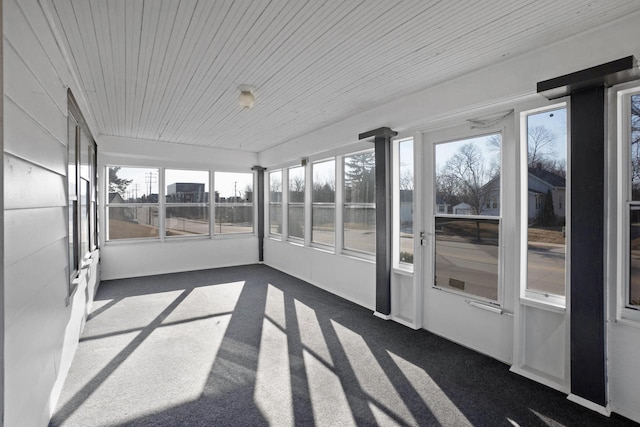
[403, 271]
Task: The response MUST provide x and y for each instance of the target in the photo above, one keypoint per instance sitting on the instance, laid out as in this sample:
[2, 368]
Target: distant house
[542, 181]
[462, 209]
[115, 198]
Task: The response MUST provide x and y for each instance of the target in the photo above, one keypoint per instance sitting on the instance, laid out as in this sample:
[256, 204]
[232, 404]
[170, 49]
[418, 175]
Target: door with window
[464, 256]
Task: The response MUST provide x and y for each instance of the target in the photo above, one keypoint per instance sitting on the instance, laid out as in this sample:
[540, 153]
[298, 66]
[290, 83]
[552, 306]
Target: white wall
[121, 259]
[41, 331]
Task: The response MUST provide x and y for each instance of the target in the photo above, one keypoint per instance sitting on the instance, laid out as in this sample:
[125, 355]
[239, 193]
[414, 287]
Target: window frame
[458, 137]
[278, 236]
[625, 203]
[344, 205]
[532, 296]
[167, 205]
[324, 204]
[158, 205]
[76, 223]
[214, 206]
[397, 203]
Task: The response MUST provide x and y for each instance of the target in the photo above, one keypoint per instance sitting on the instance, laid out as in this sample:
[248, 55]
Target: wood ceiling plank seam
[117, 28]
[202, 99]
[151, 10]
[220, 119]
[133, 34]
[86, 45]
[90, 47]
[47, 86]
[159, 57]
[100, 14]
[175, 47]
[186, 56]
[193, 83]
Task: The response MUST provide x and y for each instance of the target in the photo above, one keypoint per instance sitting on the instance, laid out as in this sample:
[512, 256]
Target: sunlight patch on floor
[324, 382]
[442, 408]
[273, 383]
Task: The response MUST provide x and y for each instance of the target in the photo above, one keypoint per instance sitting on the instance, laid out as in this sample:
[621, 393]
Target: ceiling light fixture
[246, 98]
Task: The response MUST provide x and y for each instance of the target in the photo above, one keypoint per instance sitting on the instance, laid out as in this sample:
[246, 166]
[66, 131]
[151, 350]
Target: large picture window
[546, 204]
[233, 202]
[323, 209]
[359, 218]
[133, 203]
[186, 202]
[467, 215]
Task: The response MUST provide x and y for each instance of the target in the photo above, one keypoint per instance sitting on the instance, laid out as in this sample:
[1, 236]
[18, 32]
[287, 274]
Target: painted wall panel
[348, 277]
[30, 186]
[29, 275]
[30, 230]
[145, 259]
[624, 347]
[27, 139]
[545, 343]
[32, 97]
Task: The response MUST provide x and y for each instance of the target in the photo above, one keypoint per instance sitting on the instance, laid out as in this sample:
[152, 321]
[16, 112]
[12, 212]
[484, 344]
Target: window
[545, 202]
[233, 203]
[186, 202]
[275, 202]
[323, 211]
[405, 197]
[132, 204]
[631, 137]
[82, 188]
[295, 209]
[467, 250]
[359, 219]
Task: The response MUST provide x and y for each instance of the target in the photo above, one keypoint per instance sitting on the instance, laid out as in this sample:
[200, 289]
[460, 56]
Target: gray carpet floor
[251, 346]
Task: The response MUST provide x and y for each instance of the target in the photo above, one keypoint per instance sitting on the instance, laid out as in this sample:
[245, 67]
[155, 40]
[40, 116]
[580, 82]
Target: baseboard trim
[549, 382]
[604, 410]
[404, 322]
[382, 316]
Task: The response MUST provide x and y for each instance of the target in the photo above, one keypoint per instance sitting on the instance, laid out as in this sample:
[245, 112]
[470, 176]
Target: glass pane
[296, 221]
[186, 186]
[634, 257]
[406, 201]
[84, 217]
[187, 220]
[466, 255]
[234, 218]
[468, 176]
[324, 224]
[132, 185]
[275, 187]
[133, 222]
[635, 147]
[324, 182]
[546, 201]
[275, 219]
[233, 187]
[73, 194]
[85, 156]
[360, 178]
[360, 228]
[296, 185]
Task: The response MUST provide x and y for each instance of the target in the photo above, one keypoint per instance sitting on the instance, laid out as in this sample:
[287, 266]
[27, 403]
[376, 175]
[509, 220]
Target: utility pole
[150, 178]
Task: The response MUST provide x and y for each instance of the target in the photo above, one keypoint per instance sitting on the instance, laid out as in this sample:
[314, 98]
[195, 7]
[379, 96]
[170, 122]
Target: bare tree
[635, 146]
[406, 178]
[539, 144]
[467, 176]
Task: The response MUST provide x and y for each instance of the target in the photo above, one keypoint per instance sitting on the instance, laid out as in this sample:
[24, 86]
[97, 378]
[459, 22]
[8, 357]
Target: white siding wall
[41, 331]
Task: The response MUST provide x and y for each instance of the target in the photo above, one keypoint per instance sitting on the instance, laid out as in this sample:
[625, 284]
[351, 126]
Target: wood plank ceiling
[169, 70]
